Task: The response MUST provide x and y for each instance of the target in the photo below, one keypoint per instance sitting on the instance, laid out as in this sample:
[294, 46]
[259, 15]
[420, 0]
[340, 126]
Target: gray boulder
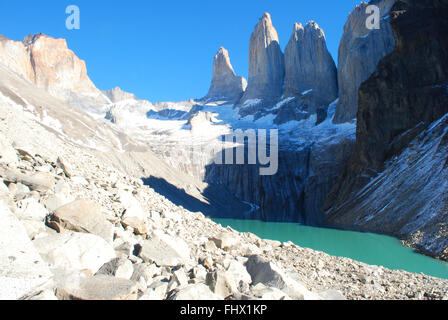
[267, 273]
[196, 292]
[83, 216]
[7, 153]
[118, 267]
[74, 251]
[221, 283]
[164, 250]
[39, 181]
[98, 287]
[21, 267]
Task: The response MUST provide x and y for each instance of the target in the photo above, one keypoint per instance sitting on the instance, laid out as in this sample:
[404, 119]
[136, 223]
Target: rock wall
[297, 192]
[50, 65]
[309, 66]
[408, 92]
[266, 67]
[226, 85]
[360, 51]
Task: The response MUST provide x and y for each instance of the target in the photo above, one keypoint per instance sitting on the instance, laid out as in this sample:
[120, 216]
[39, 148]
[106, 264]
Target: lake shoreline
[429, 265]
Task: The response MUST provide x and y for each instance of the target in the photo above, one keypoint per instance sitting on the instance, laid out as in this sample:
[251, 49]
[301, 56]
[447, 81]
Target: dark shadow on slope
[218, 202]
[166, 114]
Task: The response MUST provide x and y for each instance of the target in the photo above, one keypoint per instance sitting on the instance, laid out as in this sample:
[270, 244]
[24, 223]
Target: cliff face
[266, 67]
[397, 106]
[309, 66]
[226, 85]
[15, 56]
[50, 65]
[360, 51]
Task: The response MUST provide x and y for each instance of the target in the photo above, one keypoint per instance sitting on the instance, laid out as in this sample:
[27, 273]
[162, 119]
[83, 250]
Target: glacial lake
[369, 248]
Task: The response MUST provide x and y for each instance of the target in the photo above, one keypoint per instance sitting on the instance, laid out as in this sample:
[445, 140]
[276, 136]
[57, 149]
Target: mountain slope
[398, 124]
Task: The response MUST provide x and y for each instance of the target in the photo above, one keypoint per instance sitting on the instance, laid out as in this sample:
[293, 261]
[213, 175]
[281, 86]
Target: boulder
[39, 181]
[83, 216]
[195, 292]
[58, 200]
[199, 273]
[146, 271]
[99, 287]
[133, 216]
[237, 270]
[135, 223]
[3, 188]
[7, 153]
[221, 283]
[31, 209]
[63, 164]
[263, 292]
[269, 274]
[75, 251]
[118, 267]
[21, 267]
[180, 277]
[225, 241]
[164, 250]
[332, 295]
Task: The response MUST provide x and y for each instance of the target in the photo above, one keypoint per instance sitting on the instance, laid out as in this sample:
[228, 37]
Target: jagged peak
[311, 27]
[265, 30]
[222, 64]
[314, 27]
[265, 21]
[266, 16]
[222, 52]
[312, 24]
[31, 38]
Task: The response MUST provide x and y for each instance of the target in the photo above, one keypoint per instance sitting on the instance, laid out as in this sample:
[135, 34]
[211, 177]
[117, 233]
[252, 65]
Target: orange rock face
[51, 65]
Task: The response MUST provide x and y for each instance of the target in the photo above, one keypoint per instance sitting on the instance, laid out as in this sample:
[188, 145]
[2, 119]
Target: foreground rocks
[21, 267]
[182, 255]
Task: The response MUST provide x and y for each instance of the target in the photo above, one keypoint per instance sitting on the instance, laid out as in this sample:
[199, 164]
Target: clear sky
[163, 50]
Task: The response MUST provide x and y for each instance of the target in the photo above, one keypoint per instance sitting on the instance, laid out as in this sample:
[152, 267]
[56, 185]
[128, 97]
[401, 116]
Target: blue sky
[163, 50]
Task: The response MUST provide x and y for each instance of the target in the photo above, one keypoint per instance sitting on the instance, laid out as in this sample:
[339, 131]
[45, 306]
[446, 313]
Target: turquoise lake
[369, 248]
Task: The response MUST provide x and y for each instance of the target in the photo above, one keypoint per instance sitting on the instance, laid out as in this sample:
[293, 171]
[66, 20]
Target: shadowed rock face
[266, 66]
[408, 92]
[226, 85]
[309, 65]
[299, 189]
[360, 51]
